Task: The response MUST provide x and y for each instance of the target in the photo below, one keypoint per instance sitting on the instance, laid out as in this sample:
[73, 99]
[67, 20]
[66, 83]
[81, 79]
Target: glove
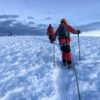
[78, 31]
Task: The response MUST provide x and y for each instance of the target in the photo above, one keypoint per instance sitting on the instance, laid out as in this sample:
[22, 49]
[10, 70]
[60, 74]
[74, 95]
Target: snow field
[27, 71]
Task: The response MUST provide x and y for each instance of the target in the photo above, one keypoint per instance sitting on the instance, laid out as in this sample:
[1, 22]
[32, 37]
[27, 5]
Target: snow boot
[64, 62]
[69, 64]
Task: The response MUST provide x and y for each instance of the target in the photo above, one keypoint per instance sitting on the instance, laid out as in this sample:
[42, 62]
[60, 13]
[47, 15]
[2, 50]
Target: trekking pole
[78, 89]
[79, 47]
[54, 54]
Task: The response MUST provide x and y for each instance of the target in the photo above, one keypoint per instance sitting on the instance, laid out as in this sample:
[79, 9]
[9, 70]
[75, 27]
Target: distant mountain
[18, 28]
[21, 29]
[90, 26]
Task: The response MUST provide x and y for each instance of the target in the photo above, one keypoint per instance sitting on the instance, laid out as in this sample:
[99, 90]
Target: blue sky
[76, 11]
[43, 12]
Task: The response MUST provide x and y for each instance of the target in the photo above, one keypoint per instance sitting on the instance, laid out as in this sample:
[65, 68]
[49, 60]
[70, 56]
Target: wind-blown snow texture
[27, 71]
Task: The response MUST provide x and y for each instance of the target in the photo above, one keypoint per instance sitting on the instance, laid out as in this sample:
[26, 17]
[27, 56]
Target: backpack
[63, 32]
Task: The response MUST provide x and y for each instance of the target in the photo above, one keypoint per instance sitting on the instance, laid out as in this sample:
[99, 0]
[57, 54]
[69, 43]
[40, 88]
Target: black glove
[78, 31]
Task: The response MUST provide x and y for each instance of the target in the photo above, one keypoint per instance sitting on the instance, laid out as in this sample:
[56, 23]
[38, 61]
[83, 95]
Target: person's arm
[71, 29]
[57, 31]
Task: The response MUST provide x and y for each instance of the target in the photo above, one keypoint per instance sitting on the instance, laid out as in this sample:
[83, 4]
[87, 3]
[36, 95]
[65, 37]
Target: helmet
[63, 20]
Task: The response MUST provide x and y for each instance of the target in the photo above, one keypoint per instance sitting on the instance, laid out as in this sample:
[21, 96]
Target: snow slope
[27, 71]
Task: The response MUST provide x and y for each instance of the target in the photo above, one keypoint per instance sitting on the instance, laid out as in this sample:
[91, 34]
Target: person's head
[50, 25]
[63, 20]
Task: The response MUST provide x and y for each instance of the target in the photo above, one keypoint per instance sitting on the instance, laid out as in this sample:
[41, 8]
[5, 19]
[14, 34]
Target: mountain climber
[50, 33]
[63, 33]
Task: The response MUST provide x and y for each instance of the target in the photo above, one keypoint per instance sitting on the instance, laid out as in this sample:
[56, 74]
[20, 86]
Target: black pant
[65, 48]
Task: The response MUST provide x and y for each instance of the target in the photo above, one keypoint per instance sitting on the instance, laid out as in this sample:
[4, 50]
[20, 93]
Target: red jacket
[70, 29]
[50, 30]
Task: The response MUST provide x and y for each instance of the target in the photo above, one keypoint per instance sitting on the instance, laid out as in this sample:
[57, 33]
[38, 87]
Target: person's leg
[68, 55]
[63, 57]
[51, 38]
[66, 52]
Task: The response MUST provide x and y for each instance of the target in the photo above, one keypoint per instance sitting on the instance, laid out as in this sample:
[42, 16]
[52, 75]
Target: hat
[63, 20]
